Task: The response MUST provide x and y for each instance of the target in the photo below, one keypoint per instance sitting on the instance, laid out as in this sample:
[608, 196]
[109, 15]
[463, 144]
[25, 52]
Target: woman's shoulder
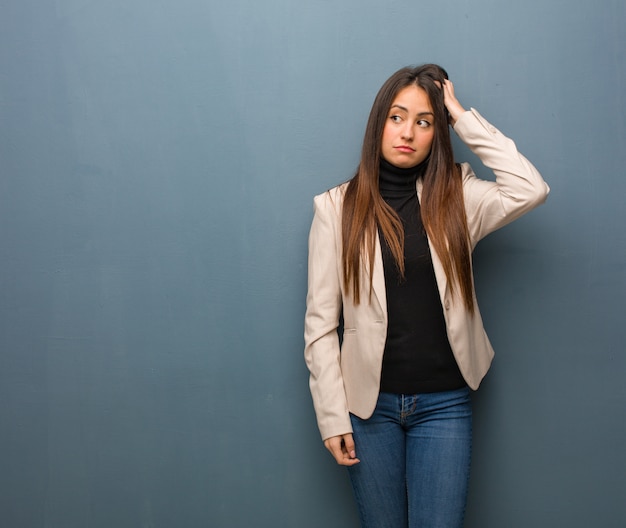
[467, 173]
[332, 198]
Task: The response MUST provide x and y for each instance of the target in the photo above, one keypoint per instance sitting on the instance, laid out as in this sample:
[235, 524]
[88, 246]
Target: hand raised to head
[449, 99]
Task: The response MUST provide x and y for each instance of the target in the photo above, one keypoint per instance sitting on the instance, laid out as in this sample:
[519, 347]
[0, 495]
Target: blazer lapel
[378, 279]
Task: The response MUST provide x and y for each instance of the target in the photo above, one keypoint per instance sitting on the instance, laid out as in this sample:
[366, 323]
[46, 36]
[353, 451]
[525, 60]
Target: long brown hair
[442, 207]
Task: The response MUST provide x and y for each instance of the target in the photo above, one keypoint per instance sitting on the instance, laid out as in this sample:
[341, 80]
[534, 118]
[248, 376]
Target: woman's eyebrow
[400, 107]
[407, 110]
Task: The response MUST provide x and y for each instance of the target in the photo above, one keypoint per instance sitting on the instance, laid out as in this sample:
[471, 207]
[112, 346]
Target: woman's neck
[392, 178]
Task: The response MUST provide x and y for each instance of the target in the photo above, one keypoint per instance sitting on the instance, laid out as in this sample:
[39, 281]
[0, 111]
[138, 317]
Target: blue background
[158, 161]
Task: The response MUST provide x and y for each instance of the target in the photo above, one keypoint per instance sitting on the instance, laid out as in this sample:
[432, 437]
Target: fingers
[343, 450]
[448, 87]
[448, 92]
[348, 446]
[452, 104]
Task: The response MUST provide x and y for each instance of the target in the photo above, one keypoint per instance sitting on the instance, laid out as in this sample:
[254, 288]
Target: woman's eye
[423, 123]
[395, 118]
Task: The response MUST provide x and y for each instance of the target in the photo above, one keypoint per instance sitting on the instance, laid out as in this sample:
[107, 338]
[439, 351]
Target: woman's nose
[407, 131]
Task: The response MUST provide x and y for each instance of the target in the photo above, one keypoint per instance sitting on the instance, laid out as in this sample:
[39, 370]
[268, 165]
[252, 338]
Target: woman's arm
[324, 302]
[518, 188]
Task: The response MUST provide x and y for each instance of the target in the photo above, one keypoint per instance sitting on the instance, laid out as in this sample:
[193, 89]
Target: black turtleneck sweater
[417, 357]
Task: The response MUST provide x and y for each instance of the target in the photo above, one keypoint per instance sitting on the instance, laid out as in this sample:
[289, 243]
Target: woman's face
[409, 128]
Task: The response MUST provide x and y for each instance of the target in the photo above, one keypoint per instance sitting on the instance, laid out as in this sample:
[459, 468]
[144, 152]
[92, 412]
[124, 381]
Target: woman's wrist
[455, 110]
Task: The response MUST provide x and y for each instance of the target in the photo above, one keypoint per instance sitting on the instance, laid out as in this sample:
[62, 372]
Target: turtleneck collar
[392, 178]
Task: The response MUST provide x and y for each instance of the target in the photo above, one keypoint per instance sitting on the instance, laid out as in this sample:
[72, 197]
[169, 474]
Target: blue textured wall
[157, 166]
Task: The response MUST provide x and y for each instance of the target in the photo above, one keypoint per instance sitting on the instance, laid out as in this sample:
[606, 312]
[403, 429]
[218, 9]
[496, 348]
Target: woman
[390, 253]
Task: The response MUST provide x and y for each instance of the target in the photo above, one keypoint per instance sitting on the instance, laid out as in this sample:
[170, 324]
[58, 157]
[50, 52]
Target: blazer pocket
[349, 331]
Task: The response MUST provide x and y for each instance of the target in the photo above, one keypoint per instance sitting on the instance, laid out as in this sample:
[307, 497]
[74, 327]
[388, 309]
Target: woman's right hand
[342, 449]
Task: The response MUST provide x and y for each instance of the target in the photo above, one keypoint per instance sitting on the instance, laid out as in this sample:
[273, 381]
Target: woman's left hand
[452, 104]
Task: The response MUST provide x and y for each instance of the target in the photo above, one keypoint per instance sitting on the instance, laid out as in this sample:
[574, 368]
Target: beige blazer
[346, 379]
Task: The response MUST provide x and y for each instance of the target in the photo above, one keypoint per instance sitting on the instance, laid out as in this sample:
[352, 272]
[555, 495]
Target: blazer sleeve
[518, 187]
[323, 311]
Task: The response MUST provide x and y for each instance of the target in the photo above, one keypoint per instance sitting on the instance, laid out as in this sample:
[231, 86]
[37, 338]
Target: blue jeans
[415, 455]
